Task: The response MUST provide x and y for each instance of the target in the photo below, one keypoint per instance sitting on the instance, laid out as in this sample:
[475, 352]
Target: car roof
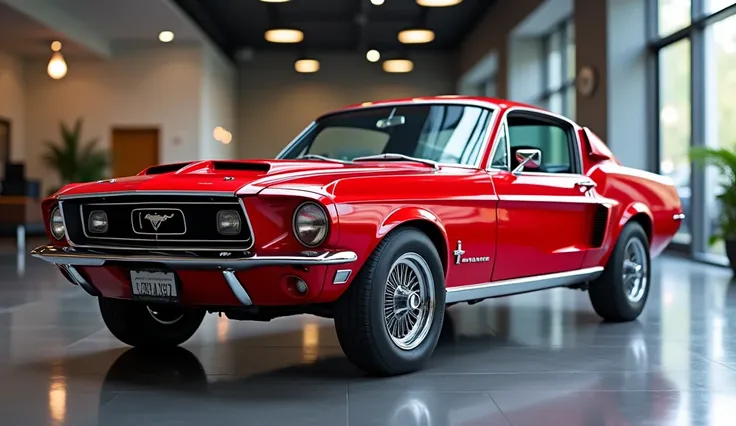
[501, 104]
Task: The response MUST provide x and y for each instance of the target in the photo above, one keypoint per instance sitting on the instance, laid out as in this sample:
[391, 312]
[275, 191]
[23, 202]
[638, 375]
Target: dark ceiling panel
[346, 25]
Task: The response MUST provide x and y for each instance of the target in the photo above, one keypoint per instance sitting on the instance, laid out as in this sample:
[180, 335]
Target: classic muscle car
[378, 215]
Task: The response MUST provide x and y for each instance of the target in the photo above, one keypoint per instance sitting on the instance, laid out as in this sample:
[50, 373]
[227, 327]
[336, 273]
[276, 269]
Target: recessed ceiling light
[398, 65]
[165, 36]
[416, 36]
[377, 2]
[56, 46]
[438, 3]
[306, 65]
[373, 55]
[284, 35]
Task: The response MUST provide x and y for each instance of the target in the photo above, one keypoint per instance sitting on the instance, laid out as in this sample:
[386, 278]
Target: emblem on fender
[459, 252]
[156, 219]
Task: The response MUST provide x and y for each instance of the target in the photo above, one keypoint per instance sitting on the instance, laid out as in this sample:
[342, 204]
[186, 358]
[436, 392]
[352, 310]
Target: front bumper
[69, 258]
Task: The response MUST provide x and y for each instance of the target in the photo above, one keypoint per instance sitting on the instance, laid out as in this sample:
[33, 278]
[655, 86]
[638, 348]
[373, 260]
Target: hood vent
[165, 168]
[241, 166]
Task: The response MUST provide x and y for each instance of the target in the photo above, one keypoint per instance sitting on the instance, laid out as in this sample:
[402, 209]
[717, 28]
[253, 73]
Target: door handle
[585, 185]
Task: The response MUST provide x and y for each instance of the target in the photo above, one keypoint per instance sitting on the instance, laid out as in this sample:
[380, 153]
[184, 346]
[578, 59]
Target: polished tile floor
[537, 359]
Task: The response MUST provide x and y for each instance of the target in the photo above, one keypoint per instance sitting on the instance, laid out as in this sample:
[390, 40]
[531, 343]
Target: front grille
[156, 222]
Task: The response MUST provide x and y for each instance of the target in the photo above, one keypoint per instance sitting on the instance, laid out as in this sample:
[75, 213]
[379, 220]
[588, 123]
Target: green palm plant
[725, 161]
[73, 160]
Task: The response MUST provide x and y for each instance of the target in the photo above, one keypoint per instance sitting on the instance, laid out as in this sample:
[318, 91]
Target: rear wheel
[149, 325]
[389, 320]
[620, 294]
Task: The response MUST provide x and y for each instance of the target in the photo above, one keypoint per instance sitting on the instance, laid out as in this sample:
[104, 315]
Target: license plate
[154, 286]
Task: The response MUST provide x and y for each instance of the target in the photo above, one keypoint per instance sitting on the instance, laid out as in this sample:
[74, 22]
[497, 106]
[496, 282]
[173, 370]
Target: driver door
[545, 213]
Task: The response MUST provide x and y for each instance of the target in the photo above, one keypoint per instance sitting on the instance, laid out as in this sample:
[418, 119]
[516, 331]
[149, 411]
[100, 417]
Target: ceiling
[332, 25]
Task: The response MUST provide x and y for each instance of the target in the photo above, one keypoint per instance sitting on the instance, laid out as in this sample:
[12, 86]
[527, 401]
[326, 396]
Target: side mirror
[528, 158]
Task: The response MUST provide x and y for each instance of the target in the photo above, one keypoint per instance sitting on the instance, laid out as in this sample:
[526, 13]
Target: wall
[12, 101]
[217, 104]
[154, 87]
[275, 103]
[610, 38]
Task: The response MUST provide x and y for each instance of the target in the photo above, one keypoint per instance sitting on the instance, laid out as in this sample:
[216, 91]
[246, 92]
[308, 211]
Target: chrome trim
[342, 276]
[165, 202]
[237, 288]
[521, 285]
[76, 257]
[63, 220]
[293, 223]
[103, 247]
[79, 280]
[678, 216]
[492, 107]
[142, 192]
[494, 147]
[391, 156]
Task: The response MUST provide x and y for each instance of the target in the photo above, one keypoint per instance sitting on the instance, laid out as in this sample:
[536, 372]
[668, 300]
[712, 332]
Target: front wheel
[149, 325]
[389, 321]
[622, 291]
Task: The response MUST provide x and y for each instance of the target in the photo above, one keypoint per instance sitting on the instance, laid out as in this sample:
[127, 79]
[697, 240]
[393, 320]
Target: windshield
[454, 134]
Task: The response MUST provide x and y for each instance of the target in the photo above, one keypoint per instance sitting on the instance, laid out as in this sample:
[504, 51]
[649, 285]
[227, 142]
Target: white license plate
[154, 286]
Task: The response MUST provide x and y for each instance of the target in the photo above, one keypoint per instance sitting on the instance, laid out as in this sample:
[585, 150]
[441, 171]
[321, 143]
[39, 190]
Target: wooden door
[133, 150]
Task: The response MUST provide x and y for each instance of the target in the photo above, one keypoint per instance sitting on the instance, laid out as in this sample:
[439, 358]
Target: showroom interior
[102, 89]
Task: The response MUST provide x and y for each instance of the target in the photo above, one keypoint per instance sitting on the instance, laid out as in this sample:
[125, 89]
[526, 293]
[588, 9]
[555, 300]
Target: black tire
[609, 293]
[133, 323]
[359, 313]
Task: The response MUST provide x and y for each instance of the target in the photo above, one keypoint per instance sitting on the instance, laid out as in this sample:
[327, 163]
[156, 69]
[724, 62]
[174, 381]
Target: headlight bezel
[327, 221]
[53, 214]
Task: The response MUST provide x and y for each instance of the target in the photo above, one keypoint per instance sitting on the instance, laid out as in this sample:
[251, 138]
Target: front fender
[428, 221]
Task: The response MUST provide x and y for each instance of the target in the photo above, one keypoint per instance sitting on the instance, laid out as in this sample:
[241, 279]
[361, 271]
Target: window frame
[700, 21]
[561, 29]
[576, 160]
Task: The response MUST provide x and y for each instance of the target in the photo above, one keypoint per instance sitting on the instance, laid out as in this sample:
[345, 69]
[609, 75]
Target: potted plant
[725, 161]
[73, 160]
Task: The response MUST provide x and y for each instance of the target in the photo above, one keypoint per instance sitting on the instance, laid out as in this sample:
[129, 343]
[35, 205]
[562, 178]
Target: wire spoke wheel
[635, 270]
[165, 315]
[409, 301]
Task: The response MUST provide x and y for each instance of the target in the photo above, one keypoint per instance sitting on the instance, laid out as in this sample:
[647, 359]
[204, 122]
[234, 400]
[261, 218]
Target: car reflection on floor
[178, 382]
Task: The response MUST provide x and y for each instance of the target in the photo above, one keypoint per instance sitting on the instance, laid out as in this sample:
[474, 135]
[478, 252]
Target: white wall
[154, 87]
[275, 103]
[12, 102]
[218, 104]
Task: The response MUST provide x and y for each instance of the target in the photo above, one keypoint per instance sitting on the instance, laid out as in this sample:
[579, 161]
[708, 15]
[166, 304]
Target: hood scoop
[164, 168]
[241, 166]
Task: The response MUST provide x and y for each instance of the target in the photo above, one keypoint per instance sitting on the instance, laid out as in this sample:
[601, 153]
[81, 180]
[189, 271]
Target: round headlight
[56, 224]
[310, 224]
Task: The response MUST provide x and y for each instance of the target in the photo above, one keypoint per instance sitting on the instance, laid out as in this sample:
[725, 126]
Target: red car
[378, 215]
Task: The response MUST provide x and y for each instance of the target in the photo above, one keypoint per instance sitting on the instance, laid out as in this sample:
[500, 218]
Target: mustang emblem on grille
[156, 219]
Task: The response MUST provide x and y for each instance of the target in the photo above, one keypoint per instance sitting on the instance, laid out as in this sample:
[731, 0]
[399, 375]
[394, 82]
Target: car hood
[241, 177]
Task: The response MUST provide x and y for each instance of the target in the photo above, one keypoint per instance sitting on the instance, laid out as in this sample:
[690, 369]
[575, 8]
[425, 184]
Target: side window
[553, 139]
[500, 154]
[331, 142]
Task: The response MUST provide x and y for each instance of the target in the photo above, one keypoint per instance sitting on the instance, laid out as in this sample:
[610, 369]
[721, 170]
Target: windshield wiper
[323, 158]
[401, 157]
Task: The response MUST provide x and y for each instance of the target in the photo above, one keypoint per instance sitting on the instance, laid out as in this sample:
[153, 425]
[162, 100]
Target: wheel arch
[423, 220]
[638, 212]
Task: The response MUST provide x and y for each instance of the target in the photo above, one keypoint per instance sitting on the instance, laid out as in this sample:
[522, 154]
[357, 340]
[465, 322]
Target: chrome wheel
[635, 270]
[165, 315]
[409, 301]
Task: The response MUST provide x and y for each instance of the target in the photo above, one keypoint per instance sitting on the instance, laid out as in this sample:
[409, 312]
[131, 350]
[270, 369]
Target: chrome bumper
[80, 257]
[68, 258]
